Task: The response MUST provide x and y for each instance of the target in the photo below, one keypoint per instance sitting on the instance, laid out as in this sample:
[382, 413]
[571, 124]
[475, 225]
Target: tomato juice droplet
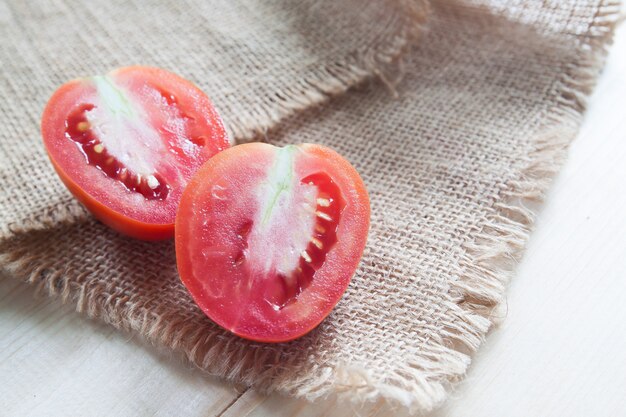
[169, 98]
[242, 236]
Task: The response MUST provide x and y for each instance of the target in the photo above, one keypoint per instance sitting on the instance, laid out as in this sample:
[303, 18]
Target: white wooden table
[560, 352]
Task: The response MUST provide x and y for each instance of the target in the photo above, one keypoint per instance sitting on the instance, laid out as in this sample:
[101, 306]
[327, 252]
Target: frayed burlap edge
[475, 298]
[318, 85]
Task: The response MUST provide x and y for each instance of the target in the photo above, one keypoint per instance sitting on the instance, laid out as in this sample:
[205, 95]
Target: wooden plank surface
[560, 352]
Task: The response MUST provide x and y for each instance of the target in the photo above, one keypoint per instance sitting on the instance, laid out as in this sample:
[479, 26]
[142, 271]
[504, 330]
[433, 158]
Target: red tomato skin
[344, 261]
[115, 219]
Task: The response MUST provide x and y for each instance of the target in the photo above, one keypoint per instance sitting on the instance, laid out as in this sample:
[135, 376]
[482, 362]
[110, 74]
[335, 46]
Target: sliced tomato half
[268, 238]
[126, 144]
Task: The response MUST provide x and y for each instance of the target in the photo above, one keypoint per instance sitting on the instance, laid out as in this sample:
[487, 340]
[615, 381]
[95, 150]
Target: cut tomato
[268, 238]
[126, 144]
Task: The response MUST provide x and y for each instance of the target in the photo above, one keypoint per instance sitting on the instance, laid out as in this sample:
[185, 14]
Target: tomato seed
[323, 202]
[152, 182]
[305, 255]
[82, 126]
[324, 216]
[318, 244]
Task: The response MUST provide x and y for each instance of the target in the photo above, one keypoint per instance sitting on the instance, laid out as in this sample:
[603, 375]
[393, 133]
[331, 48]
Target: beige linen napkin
[452, 156]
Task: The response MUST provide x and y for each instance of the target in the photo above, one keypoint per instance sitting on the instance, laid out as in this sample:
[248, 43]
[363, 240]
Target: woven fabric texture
[259, 61]
[454, 156]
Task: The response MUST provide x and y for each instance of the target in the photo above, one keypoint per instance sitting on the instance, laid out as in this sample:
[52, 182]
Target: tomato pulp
[268, 238]
[126, 144]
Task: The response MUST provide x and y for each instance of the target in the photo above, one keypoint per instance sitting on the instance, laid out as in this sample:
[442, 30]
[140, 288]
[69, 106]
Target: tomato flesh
[328, 208]
[80, 130]
[268, 238]
[127, 143]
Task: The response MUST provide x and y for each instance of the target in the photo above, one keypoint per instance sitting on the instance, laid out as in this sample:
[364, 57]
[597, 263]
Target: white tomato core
[286, 215]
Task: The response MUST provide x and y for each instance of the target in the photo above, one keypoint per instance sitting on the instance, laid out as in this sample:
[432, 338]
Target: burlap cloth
[453, 156]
